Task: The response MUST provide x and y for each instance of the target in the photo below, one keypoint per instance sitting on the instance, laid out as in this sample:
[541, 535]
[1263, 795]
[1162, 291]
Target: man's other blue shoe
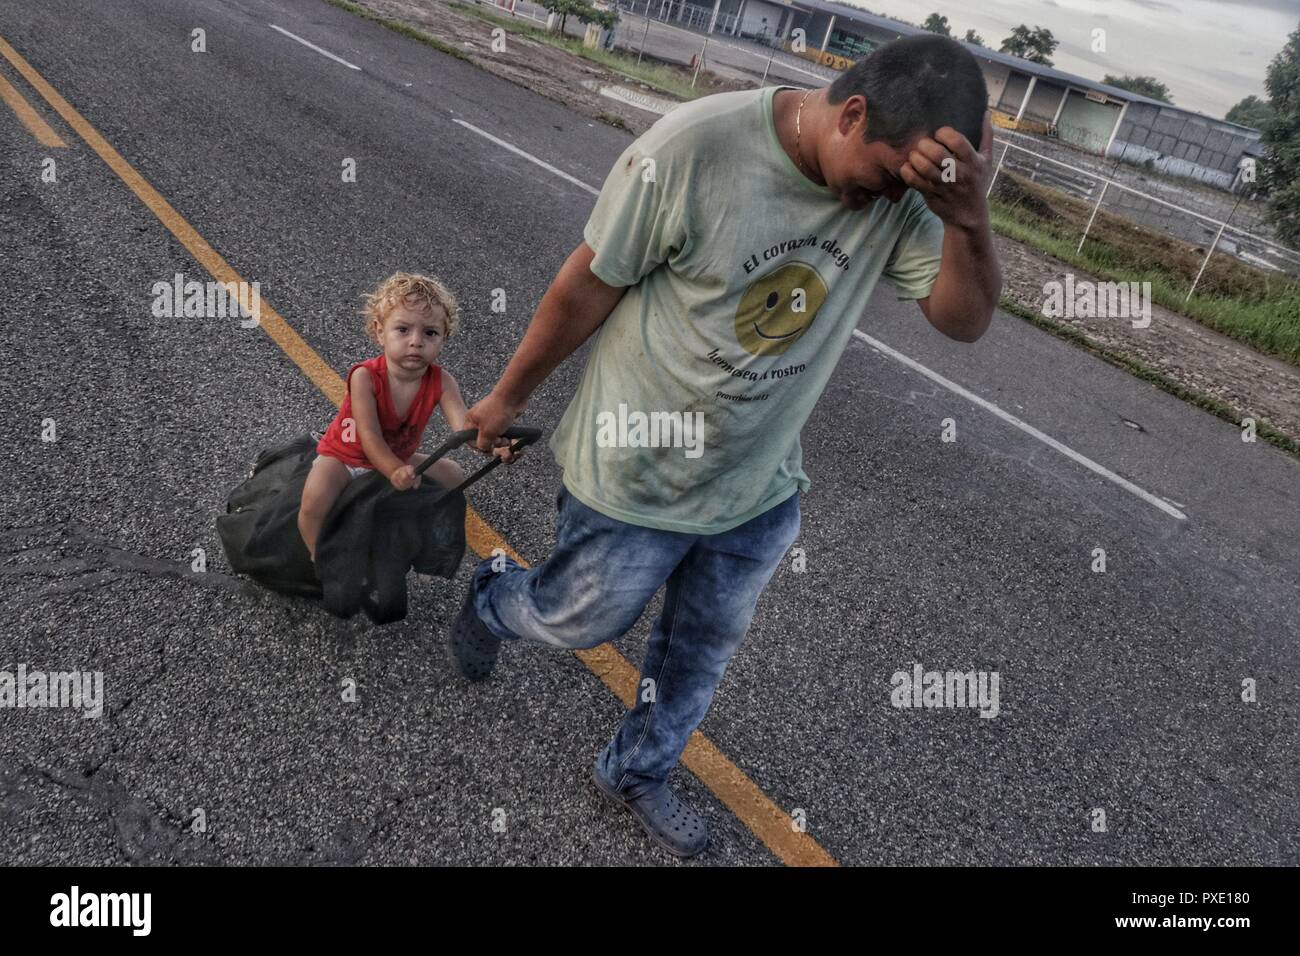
[472, 646]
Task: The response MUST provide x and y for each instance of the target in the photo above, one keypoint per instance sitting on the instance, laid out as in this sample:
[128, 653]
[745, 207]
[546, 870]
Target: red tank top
[403, 436]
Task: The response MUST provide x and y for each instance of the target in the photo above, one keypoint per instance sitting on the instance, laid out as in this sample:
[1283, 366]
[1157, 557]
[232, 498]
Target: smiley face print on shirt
[778, 309]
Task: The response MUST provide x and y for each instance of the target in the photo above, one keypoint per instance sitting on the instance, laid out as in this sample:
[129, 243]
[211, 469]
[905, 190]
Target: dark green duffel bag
[373, 536]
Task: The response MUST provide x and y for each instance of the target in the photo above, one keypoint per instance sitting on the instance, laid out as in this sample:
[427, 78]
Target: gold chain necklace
[798, 132]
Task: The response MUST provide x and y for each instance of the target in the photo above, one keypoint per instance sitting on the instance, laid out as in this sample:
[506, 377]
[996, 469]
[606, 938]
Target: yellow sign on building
[834, 61]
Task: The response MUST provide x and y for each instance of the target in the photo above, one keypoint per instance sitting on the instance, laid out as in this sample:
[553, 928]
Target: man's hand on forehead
[952, 175]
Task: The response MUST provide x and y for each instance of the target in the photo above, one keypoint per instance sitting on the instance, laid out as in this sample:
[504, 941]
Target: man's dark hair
[915, 85]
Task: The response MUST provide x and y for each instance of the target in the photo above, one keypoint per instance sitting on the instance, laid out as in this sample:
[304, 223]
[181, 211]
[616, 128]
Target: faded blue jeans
[595, 584]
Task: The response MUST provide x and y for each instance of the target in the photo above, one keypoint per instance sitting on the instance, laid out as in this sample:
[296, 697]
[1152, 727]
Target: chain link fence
[1209, 222]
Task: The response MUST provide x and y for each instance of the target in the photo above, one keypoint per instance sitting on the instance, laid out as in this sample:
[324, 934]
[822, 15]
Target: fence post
[699, 64]
[1104, 186]
[768, 67]
[1217, 237]
[1201, 272]
[997, 170]
[643, 36]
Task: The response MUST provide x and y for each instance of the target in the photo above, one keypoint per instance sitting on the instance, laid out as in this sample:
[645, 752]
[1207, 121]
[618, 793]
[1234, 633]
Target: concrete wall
[1181, 144]
[751, 22]
[995, 78]
[1087, 124]
[1013, 92]
[1044, 101]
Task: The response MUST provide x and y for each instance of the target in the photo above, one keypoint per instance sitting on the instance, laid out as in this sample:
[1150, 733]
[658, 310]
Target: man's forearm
[969, 283]
[573, 308]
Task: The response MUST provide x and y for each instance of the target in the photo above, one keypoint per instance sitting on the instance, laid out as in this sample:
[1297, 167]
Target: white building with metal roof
[1023, 95]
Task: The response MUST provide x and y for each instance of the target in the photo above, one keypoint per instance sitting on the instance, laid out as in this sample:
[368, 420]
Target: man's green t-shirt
[746, 280]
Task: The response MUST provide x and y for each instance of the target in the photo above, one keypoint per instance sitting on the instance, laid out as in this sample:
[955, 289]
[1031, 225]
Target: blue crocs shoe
[671, 822]
[472, 646]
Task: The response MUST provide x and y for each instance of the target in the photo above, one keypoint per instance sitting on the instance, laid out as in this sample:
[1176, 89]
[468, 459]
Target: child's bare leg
[444, 471]
[325, 482]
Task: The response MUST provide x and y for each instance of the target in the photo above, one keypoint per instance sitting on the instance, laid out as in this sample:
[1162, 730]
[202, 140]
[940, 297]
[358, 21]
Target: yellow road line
[324, 377]
[727, 781]
[30, 118]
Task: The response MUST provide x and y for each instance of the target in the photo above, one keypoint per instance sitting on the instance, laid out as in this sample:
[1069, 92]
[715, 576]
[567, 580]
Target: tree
[1036, 45]
[580, 9]
[1252, 111]
[937, 24]
[1281, 167]
[973, 37]
[605, 19]
[561, 7]
[1142, 85]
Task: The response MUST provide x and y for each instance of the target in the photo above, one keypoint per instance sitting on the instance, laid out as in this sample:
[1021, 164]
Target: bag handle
[524, 434]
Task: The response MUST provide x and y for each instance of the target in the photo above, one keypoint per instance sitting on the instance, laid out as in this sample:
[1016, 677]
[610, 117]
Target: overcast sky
[1209, 54]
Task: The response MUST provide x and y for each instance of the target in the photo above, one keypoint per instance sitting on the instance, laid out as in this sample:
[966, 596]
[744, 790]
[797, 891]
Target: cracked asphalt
[225, 705]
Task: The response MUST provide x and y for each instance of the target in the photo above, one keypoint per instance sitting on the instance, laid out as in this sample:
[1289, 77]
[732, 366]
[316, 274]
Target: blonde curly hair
[401, 288]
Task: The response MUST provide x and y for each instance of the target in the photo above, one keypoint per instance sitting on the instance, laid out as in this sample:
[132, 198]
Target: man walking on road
[731, 251]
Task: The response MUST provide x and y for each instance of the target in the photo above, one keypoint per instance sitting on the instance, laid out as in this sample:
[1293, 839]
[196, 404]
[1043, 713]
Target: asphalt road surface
[1120, 692]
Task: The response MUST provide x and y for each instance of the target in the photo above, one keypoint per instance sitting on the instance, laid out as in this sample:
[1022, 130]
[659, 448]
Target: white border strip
[528, 156]
[1023, 426]
[294, 36]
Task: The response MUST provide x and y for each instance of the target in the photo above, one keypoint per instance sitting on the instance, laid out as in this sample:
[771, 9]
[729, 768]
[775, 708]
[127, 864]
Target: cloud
[1280, 6]
[1173, 40]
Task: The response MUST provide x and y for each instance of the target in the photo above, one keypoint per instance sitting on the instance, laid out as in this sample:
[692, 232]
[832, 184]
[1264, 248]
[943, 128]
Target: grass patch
[1246, 304]
[615, 121]
[397, 26]
[1148, 374]
[666, 79]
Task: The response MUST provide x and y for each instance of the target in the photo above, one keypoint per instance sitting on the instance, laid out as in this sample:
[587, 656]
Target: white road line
[528, 156]
[294, 36]
[1023, 426]
[912, 364]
